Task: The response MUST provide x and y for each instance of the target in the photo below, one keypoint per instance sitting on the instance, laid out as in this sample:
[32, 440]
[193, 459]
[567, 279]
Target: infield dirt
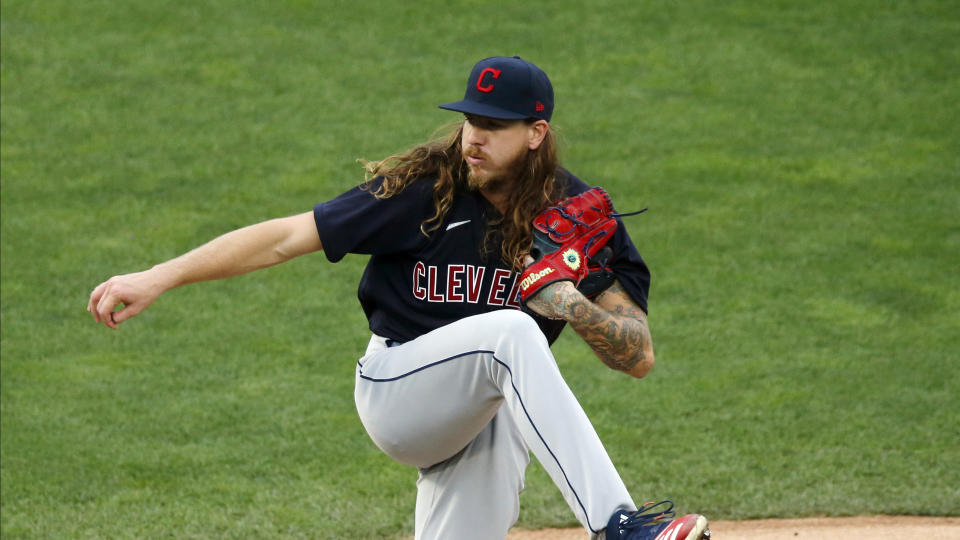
[848, 528]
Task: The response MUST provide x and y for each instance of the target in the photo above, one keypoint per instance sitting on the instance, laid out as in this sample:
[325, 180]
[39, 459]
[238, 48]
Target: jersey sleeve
[629, 267]
[358, 222]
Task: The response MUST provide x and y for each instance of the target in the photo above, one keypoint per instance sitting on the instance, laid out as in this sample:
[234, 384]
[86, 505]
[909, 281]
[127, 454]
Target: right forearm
[232, 254]
[238, 252]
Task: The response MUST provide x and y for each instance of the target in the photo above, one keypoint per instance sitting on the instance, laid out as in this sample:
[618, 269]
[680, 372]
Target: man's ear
[536, 132]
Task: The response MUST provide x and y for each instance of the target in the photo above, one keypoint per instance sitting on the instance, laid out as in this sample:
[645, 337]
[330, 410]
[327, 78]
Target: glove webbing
[571, 217]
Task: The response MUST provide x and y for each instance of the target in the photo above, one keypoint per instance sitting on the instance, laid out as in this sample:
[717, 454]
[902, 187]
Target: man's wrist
[557, 301]
[164, 277]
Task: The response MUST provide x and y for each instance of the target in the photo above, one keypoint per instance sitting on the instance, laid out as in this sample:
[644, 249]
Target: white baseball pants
[466, 404]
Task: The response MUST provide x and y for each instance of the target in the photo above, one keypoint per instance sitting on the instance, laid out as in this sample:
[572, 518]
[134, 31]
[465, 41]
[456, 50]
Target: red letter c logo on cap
[489, 87]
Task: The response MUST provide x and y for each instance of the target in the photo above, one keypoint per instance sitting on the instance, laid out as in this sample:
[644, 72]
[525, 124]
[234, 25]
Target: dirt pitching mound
[853, 528]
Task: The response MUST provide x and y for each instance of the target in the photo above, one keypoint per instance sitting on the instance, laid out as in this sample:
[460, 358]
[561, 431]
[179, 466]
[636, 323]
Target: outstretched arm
[235, 253]
[615, 327]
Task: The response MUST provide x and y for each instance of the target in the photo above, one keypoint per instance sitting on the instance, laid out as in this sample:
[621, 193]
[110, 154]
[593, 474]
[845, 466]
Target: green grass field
[801, 162]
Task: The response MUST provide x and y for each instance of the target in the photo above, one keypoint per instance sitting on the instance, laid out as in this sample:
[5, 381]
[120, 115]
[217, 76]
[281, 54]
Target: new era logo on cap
[508, 88]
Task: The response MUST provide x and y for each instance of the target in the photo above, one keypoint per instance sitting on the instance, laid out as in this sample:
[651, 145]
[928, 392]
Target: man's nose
[473, 136]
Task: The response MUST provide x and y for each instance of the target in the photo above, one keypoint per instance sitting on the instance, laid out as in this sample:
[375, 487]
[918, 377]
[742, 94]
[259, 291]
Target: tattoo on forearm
[619, 337]
[618, 340]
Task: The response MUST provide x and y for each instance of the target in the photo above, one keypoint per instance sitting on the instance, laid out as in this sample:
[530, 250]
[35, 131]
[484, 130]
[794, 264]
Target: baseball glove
[566, 241]
[599, 274]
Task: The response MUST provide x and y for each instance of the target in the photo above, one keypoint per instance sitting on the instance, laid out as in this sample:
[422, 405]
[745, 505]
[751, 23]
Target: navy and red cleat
[652, 523]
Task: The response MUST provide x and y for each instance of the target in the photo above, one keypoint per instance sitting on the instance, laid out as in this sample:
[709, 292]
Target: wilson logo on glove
[573, 231]
[530, 279]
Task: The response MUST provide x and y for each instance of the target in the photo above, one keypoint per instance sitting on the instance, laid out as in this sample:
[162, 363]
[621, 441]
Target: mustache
[473, 152]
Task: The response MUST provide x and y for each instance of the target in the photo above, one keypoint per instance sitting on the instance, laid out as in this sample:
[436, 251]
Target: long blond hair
[535, 188]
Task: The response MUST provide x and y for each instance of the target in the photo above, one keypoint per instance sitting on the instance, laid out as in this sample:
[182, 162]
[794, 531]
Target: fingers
[131, 293]
[121, 315]
[103, 311]
[102, 302]
[94, 298]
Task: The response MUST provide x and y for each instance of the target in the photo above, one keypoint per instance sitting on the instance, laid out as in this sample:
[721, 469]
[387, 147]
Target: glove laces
[617, 214]
[576, 218]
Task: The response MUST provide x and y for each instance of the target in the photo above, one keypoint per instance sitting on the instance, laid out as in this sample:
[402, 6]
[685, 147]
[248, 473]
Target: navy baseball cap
[509, 88]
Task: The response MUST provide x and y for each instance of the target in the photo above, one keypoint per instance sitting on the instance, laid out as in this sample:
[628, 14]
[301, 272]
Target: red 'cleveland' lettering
[514, 296]
[454, 283]
[432, 294]
[464, 283]
[419, 270]
[497, 287]
[474, 282]
[488, 88]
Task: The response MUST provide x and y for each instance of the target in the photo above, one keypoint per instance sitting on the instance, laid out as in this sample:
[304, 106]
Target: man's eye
[488, 124]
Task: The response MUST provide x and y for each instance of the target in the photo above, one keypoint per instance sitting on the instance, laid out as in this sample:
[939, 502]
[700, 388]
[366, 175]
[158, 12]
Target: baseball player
[478, 243]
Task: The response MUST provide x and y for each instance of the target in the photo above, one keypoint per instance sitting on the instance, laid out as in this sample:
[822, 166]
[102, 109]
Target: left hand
[553, 300]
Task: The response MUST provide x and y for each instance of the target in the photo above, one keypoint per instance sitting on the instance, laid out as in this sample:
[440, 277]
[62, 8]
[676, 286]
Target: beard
[498, 180]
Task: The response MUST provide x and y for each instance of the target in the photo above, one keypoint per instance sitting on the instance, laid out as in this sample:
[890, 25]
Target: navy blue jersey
[414, 283]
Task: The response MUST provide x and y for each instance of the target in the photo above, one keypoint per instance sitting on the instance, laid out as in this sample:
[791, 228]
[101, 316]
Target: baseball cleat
[649, 523]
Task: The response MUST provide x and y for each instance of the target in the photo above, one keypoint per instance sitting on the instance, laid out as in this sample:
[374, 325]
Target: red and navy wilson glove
[566, 238]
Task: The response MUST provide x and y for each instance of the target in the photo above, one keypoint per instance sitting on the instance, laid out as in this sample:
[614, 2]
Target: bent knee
[514, 322]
